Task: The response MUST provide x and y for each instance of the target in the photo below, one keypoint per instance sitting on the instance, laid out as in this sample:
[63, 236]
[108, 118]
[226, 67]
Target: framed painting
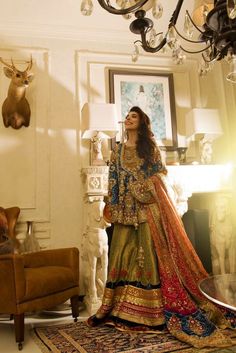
[154, 93]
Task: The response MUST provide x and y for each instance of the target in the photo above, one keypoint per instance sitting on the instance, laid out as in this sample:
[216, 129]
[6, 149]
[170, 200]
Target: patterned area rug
[78, 337]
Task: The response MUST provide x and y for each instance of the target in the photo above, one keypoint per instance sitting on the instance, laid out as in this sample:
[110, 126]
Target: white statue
[97, 157]
[178, 192]
[222, 240]
[95, 249]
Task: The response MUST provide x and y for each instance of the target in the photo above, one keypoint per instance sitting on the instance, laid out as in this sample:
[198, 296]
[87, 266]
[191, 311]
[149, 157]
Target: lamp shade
[99, 118]
[201, 122]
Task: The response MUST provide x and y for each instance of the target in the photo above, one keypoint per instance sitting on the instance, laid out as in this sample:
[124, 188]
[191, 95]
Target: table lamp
[98, 121]
[203, 125]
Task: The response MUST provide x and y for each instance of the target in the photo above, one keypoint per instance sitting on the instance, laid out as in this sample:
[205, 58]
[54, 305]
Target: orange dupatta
[187, 311]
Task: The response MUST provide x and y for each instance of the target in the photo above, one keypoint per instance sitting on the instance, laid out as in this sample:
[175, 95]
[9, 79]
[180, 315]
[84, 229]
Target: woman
[153, 269]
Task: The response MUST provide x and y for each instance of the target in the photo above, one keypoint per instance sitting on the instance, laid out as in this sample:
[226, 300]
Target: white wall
[41, 165]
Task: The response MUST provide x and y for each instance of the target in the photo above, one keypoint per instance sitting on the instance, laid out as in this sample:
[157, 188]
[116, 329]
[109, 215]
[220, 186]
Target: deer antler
[12, 66]
[6, 64]
[30, 64]
[28, 67]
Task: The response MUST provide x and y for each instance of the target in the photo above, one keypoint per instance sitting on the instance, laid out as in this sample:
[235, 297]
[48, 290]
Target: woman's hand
[143, 191]
[107, 213]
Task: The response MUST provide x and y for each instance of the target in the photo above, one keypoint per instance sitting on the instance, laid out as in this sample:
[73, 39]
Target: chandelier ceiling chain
[217, 31]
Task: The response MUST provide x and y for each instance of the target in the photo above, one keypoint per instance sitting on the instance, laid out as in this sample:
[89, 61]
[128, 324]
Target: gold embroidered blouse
[129, 189]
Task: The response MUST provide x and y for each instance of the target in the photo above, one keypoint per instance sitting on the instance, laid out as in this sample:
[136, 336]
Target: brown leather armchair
[12, 214]
[8, 219]
[38, 281]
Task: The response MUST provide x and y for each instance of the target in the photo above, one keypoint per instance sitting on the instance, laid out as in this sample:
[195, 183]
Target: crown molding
[66, 32]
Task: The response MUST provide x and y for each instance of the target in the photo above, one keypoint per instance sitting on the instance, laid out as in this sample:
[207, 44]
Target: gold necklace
[130, 152]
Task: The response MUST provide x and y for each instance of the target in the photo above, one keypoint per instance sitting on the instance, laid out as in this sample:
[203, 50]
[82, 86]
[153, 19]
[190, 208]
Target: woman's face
[132, 121]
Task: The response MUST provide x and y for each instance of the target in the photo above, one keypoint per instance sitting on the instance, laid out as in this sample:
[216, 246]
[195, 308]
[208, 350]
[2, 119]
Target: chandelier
[213, 22]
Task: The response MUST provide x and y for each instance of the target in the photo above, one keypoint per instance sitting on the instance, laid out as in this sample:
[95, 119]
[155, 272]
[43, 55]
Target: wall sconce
[98, 121]
[203, 125]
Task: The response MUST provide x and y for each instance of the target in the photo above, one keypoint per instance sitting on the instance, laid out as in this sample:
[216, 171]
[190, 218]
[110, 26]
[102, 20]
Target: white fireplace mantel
[183, 181]
[202, 178]
[195, 178]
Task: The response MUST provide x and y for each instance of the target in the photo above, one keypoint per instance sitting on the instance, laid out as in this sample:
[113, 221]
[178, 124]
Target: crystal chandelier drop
[216, 30]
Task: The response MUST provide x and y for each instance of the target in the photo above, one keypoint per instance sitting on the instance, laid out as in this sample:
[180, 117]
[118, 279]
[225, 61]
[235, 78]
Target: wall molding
[27, 182]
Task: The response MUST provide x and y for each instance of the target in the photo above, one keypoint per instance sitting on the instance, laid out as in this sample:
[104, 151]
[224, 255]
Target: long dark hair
[145, 143]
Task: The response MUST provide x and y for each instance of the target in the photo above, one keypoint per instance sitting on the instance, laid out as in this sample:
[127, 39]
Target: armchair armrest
[12, 279]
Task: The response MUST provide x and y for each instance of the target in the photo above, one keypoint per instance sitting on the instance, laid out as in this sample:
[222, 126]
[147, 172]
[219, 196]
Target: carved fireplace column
[94, 242]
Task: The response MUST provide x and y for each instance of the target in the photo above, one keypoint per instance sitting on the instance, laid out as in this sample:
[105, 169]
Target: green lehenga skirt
[132, 291]
[153, 278]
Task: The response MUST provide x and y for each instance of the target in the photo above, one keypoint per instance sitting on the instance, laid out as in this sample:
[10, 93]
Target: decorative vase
[182, 154]
[31, 243]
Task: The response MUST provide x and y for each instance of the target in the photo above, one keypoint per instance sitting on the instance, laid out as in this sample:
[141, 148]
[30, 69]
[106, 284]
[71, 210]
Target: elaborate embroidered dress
[153, 269]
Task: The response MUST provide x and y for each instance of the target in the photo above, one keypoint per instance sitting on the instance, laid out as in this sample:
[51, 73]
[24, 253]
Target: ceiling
[63, 19]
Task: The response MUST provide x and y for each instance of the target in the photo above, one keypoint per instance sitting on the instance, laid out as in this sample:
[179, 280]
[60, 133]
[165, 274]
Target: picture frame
[153, 92]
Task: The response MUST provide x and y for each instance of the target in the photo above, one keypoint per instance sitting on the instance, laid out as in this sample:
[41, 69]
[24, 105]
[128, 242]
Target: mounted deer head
[15, 108]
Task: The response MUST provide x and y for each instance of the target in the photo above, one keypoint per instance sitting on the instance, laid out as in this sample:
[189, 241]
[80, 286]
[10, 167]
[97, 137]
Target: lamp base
[206, 151]
[96, 151]
[97, 162]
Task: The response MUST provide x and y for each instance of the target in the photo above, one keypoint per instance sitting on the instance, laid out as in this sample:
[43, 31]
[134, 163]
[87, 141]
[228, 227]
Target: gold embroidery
[216, 339]
[195, 326]
[128, 210]
[133, 304]
[139, 319]
[130, 160]
[143, 191]
[140, 257]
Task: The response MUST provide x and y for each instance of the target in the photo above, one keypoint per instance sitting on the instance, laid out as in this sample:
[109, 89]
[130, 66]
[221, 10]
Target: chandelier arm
[146, 46]
[138, 41]
[211, 60]
[158, 34]
[195, 52]
[188, 40]
[226, 35]
[194, 23]
[114, 11]
[173, 20]
[175, 14]
[216, 9]
[219, 54]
